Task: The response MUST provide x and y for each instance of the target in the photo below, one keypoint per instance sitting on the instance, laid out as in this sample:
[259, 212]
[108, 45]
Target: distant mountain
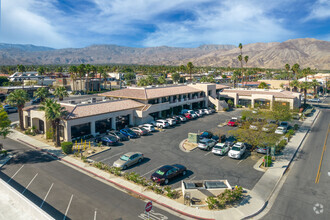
[307, 52]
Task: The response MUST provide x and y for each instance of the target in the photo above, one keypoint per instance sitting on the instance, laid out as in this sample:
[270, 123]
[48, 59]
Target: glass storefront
[244, 102]
[80, 130]
[102, 126]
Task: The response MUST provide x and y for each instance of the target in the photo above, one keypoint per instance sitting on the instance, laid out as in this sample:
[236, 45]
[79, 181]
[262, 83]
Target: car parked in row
[262, 149]
[129, 133]
[107, 140]
[10, 109]
[171, 121]
[220, 149]
[140, 131]
[182, 118]
[280, 130]
[161, 123]
[149, 127]
[168, 172]
[118, 135]
[128, 160]
[237, 151]
[206, 144]
[208, 135]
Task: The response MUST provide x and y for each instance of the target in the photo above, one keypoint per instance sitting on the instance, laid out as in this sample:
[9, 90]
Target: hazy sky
[144, 23]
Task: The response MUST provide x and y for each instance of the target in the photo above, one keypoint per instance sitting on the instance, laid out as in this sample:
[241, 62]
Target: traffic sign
[148, 206]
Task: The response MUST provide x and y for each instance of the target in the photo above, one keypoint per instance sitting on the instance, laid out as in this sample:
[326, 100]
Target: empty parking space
[161, 148]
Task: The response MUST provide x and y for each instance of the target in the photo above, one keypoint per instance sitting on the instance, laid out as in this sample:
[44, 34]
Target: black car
[177, 119]
[164, 174]
[208, 135]
[118, 135]
[107, 140]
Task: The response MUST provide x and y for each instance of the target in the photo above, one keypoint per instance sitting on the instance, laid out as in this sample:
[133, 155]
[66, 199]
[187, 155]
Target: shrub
[267, 161]
[212, 202]
[49, 134]
[4, 152]
[280, 146]
[225, 109]
[296, 127]
[239, 106]
[67, 147]
[230, 103]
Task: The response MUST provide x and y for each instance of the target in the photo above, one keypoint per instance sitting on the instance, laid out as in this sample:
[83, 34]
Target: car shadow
[144, 161]
[180, 177]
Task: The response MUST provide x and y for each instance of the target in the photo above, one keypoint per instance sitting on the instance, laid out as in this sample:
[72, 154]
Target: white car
[237, 150]
[171, 121]
[149, 127]
[280, 130]
[220, 149]
[182, 118]
[193, 114]
[162, 123]
[207, 111]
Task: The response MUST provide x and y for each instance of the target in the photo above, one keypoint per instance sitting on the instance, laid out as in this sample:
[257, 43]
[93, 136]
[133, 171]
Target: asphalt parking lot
[162, 148]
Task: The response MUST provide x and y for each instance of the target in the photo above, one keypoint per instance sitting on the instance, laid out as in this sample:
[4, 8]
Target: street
[63, 191]
[305, 193]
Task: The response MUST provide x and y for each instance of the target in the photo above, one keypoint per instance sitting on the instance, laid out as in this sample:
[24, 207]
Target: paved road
[67, 190]
[162, 148]
[301, 197]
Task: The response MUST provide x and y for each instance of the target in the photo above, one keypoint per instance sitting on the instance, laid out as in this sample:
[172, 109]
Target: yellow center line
[324, 147]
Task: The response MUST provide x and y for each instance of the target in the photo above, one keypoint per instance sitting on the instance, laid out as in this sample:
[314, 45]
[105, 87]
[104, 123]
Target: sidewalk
[256, 199]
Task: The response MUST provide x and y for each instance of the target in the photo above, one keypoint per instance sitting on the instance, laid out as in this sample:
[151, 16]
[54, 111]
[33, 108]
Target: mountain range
[306, 52]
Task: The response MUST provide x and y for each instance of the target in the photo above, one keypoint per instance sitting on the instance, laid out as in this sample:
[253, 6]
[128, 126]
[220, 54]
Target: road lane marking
[208, 153]
[29, 183]
[67, 209]
[95, 214]
[152, 170]
[46, 195]
[110, 157]
[15, 174]
[241, 160]
[324, 148]
[192, 178]
[222, 157]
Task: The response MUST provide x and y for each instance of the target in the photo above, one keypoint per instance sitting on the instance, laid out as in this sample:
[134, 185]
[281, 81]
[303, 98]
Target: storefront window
[80, 130]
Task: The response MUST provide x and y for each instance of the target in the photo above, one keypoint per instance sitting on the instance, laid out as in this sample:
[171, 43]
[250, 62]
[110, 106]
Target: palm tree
[295, 69]
[73, 74]
[92, 74]
[18, 98]
[236, 75]
[315, 84]
[21, 69]
[287, 67]
[190, 67]
[263, 85]
[304, 86]
[61, 92]
[41, 93]
[54, 113]
[295, 85]
[41, 72]
[81, 70]
[104, 75]
[4, 123]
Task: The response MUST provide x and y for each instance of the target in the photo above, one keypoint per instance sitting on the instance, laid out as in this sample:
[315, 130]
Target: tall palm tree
[61, 92]
[81, 70]
[295, 85]
[92, 74]
[54, 113]
[287, 68]
[21, 68]
[41, 93]
[4, 123]
[304, 86]
[41, 72]
[73, 70]
[18, 98]
[295, 69]
[87, 71]
[236, 75]
[190, 67]
[315, 84]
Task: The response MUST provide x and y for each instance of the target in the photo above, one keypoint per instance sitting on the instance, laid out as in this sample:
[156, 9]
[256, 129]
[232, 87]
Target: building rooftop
[220, 86]
[275, 93]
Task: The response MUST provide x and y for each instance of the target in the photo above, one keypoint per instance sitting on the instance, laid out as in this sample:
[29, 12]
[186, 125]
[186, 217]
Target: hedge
[67, 147]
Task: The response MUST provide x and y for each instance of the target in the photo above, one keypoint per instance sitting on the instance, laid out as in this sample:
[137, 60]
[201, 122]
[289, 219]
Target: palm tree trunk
[58, 142]
[305, 93]
[54, 130]
[20, 114]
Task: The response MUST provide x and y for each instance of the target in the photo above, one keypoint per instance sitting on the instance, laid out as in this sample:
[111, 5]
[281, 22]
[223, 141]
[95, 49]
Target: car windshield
[236, 148]
[160, 172]
[124, 158]
[112, 138]
[280, 128]
[219, 146]
[130, 132]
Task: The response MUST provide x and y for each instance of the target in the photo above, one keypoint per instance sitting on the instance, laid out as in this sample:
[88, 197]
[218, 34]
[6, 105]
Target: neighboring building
[251, 84]
[27, 77]
[77, 85]
[264, 98]
[276, 84]
[29, 89]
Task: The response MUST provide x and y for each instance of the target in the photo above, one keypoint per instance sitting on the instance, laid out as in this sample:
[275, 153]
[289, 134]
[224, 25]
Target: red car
[232, 123]
[188, 116]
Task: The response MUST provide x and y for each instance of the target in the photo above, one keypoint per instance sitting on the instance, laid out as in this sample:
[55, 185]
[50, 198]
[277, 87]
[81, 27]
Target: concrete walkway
[255, 202]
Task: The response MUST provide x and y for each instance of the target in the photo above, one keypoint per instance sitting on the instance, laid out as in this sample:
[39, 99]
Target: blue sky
[148, 23]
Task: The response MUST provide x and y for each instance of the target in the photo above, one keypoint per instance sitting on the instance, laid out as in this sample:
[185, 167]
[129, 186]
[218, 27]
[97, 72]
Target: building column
[252, 103]
[171, 99]
[113, 123]
[131, 119]
[159, 100]
[93, 128]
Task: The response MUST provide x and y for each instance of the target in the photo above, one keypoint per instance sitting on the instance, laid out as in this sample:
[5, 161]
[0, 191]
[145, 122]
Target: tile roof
[276, 94]
[79, 111]
[151, 93]
[220, 86]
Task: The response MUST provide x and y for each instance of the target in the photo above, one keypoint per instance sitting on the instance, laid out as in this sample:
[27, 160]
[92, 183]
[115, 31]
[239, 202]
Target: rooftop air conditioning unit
[93, 100]
[72, 101]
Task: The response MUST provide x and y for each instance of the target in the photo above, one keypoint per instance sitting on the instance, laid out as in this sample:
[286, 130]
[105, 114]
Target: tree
[182, 68]
[236, 75]
[54, 113]
[240, 58]
[41, 93]
[161, 80]
[3, 80]
[203, 79]
[304, 86]
[287, 68]
[263, 85]
[175, 77]
[295, 85]
[129, 76]
[142, 82]
[59, 69]
[280, 112]
[295, 69]
[82, 71]
[18, 98]
[190, 67]
[73, 70]
[4, 123]
[150, 79]
[61, 92]
[315, 84]
[104, 76]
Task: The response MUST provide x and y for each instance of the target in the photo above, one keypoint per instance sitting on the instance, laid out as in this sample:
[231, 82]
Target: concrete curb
[98, 153]
[5, 160]
[115, 183]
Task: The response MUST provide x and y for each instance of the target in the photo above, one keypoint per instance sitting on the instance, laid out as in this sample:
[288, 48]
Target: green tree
[304, 86]
[295, 69]
[142, 82]
[41, 71]
[190, 68]
[18, 98]
[3, 80]
[280, 112]
[41, 93]
[295, 85]
[315, 84]
[182, 68]
[263, 85]
[82, 72]
[235, 77]
[203, 79]
[287, 68]
[54, 113]
[4, 123]
[61, 92]
[73, 70]
[161, 80]
[129, 76]
[175, 77]
[150, 79]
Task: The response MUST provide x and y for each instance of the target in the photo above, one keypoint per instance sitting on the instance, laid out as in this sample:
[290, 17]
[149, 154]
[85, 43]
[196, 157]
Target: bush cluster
[30, 131]
[267, 161]
[280, 146]
[3, 152]
[228, 197]
[67, 147]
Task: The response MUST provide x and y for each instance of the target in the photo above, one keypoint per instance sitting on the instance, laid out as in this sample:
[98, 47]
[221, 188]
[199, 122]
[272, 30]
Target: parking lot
[162, 148]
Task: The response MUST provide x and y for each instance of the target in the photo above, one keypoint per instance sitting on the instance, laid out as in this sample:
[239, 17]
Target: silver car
[220, 149]
[128, 160]
[206, 144]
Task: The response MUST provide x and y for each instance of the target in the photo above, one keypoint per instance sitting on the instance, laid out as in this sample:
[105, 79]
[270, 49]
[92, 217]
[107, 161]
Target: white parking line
[240, 161]
[152, 170]
[46, 195]
[95, 214]
[29, 183]
[67, 209]
[208, 153]
[222, 158]
[110, 157]
[15, 174]
[192, 178]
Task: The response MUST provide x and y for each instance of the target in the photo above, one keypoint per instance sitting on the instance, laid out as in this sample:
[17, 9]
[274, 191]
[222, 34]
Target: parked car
[237, 151]
[232, 122]
[182, 118]
[207, 111]
[284, 124]
[128, 160]
[200, 111]
[211, 110]
[208, 135]
[177, 119]
[171, 121]
[193, 114]
[10, 109]
[162, 123]
[188, 116]
[118, 135]
[107, 140]
[36, 101]
[149, 127]
[315, 100]
[281, 130]
[168, 172]
[220, 149]
[262, 149]
[129, 133]
[206, 144]
[269, 127]
[141, 131]
[254, 126]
